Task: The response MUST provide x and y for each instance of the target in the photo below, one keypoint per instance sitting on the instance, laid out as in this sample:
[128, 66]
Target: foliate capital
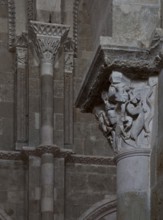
[47, 38]
[21, 50]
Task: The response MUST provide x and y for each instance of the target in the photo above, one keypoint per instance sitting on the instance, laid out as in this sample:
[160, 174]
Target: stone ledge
[85, 159]
[69, 156]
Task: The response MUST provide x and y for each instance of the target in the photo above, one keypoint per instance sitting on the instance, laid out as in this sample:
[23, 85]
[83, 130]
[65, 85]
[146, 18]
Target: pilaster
[68, 92]
[21, 92]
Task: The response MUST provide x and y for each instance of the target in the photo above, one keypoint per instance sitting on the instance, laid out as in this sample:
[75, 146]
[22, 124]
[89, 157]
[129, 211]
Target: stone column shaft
[34, 194]
[133, 185]
[47, 131]
[47, 187]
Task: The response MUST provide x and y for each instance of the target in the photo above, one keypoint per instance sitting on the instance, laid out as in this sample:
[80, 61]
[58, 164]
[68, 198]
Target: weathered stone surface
[130, 22]
[12, 199]
[84, 187]
[133, 206]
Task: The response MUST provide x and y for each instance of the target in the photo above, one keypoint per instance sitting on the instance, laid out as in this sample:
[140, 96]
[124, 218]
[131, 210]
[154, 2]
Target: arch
[11, 23]
[75, 23]
[100, 210]
[3, 215]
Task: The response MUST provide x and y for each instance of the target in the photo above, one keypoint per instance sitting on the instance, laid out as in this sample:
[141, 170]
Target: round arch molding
[3, 215]
[75, 23]
[101, 211]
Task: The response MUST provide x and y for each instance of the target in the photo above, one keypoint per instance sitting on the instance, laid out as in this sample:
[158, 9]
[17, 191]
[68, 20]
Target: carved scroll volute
[126, 114]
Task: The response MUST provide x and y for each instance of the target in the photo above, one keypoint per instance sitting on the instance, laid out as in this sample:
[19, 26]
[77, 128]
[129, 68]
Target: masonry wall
[87, 185]
[13, 192]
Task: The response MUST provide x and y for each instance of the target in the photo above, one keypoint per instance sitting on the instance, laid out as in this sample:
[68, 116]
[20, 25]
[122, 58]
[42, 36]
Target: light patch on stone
[4, 25]
[1, 126]
[37, 120]
[93, 138]
[49, 5]
[37, 193]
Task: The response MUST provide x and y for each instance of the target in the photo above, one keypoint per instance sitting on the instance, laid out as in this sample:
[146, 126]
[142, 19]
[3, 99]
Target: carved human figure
[135, 109]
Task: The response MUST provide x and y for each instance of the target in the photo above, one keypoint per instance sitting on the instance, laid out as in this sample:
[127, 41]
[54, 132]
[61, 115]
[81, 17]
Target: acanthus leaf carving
[47, 48]
[47, 38]
[126, 113]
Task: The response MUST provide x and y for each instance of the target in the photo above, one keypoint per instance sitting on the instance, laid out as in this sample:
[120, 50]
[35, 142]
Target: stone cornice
[86, 159]
[49, 29]
[136, 63]
[47, 38]
[10, 155]
[69, 156]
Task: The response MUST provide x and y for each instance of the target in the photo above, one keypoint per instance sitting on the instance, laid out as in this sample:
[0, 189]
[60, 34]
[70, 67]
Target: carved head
[118, 90]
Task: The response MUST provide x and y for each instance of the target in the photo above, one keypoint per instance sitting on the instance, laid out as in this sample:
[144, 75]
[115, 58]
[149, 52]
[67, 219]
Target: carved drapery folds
[46, 38]
[125, 117]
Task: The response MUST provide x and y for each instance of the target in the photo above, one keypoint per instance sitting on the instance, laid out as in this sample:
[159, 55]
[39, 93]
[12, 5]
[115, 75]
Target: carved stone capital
[47, 38]
[120, 88]
[21, 50]
[126, 114]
